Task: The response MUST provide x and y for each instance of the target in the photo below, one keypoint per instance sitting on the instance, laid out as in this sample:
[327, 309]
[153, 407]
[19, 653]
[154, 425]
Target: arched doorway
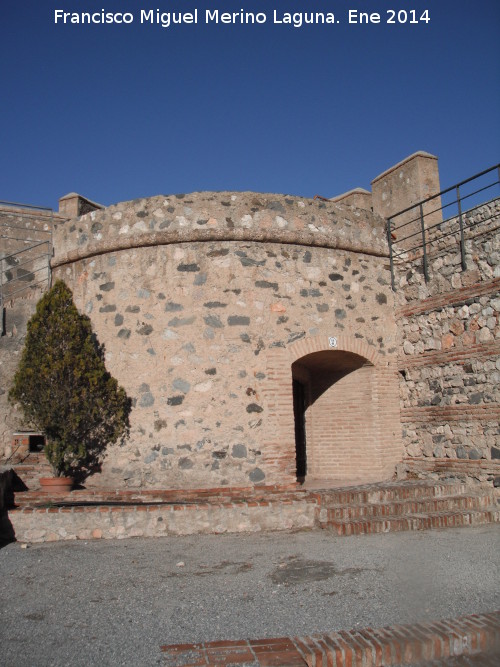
[334, 416]
[350, 411]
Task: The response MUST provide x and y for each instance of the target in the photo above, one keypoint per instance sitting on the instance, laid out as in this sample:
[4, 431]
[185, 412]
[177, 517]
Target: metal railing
[414, 231]
[26, 264]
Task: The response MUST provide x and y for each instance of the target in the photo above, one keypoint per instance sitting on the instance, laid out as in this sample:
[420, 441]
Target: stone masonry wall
[204, 301]
[20, 229]
[450, 356]
[16, 315]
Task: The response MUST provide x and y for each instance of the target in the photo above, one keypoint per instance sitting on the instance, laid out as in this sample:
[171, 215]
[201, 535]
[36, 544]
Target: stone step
[405, 507]
[86, 513]
[450, 519]
[390, 491]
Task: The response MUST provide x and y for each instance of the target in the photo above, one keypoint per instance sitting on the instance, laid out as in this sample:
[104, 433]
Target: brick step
[405, 507]
[450, 519]
[391, 491]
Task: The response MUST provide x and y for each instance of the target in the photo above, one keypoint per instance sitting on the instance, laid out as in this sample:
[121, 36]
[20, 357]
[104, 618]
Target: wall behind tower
[450, 356]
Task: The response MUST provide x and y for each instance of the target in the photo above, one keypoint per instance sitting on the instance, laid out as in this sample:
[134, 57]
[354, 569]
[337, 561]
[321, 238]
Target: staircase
[375, 508]
[397, 506]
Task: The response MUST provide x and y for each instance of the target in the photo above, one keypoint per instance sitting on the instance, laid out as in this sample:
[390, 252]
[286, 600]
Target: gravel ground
[115, 602]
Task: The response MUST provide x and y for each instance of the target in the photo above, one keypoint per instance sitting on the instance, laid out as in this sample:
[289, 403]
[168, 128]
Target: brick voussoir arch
[345, 343]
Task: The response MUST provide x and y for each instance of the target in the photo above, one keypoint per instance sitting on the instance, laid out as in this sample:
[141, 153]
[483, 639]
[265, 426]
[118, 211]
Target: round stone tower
[255, 334]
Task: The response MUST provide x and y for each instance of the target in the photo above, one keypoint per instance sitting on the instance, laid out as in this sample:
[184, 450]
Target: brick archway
[344, 343]
[352, 426]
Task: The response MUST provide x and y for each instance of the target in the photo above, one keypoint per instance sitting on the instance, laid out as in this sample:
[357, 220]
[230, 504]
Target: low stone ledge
[172, 496]
[48, 524]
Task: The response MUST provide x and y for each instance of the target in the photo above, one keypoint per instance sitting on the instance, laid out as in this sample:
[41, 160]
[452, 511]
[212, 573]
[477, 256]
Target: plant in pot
[64, 389]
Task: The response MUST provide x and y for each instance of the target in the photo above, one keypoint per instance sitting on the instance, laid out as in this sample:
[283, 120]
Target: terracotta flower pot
[56, 484]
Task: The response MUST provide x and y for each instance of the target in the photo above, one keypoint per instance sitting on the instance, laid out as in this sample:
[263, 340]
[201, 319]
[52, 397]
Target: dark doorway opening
[37, 442]
[333, 415]
[299, 411]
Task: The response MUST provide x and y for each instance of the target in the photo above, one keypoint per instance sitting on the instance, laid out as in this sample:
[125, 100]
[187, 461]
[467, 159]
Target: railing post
[462, 238]
[391, 258]
[51, 251]
[424, 247]
[48, 264]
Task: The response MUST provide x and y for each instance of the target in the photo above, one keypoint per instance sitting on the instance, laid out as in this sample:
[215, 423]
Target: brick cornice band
[432, 464]
[439, 357]
[452, 298]
[485, 412]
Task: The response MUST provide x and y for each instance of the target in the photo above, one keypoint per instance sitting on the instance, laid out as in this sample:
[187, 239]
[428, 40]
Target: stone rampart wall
[204, 301]
[450, 355]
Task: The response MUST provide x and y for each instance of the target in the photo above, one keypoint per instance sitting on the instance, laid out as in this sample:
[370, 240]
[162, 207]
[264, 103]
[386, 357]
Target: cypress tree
[64, 389]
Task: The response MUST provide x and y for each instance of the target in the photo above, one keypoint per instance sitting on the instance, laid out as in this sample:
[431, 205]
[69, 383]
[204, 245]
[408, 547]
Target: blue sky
[119, 112]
